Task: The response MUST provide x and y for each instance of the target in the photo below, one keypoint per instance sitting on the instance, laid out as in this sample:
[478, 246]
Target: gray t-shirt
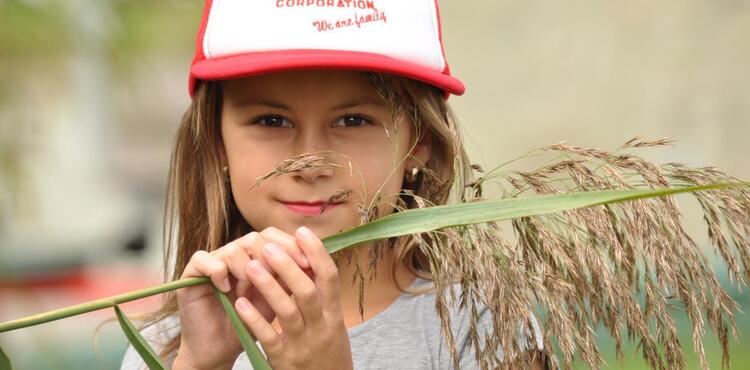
[406, 335]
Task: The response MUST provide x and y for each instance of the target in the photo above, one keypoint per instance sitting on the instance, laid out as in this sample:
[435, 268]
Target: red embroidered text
[358, 4]
[357, 20]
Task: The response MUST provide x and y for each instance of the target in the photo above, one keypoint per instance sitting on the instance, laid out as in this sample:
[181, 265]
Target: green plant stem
[100, 304]
[403, 223]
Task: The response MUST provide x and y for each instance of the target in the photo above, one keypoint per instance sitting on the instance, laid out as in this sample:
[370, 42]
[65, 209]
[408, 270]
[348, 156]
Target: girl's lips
[309, 209]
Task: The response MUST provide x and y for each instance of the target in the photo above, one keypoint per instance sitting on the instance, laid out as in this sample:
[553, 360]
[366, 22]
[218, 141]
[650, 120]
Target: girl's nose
[314, 173]
[310, 141]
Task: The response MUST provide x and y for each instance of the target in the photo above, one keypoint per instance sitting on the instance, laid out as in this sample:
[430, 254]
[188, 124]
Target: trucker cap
[239, 38]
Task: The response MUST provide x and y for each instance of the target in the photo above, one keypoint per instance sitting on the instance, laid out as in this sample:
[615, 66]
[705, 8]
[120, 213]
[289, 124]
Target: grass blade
[402, 223]
[256, 358]
[4, 361]
[100, 304]
[439, 217]
[139, 343]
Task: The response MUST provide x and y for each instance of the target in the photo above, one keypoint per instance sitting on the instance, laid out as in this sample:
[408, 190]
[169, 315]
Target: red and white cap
[239, 38]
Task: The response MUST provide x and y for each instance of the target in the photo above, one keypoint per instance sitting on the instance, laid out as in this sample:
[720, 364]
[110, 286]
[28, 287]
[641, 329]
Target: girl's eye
[352, 120]
[273, 121]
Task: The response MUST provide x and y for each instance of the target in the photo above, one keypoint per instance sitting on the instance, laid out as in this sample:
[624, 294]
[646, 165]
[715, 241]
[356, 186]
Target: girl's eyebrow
[347, 104]
[267, 103]
[358, 102]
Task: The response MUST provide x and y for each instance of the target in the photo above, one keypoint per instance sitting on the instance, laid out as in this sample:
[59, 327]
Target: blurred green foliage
[40, 28]
[32, 30]
[153, 27]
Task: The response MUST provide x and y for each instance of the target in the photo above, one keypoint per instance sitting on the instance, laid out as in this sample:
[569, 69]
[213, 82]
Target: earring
[412, 175]
[226, 172]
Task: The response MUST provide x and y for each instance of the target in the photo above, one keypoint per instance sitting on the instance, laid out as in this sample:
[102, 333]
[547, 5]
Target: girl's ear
[421, 152]
[223, 162]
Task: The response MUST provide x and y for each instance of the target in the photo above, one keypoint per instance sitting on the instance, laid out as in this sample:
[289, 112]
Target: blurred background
[91, 92]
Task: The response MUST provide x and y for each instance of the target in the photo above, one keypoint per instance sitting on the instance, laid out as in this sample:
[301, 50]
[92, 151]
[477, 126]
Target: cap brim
[249, 64]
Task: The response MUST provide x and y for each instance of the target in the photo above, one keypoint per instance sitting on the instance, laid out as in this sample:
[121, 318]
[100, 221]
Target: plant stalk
[401, 223]
[100, 304]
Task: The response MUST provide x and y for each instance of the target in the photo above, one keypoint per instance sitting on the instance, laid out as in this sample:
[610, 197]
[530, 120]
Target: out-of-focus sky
[91, 92]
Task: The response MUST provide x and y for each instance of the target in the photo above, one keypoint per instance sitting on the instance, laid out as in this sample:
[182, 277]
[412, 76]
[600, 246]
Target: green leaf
[401, 223]
[139, 343]
[434, 218]
[254, 354]
[4, 361]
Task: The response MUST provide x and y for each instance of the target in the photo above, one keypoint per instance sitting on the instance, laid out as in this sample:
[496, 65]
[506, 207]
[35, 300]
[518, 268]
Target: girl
[309, 118]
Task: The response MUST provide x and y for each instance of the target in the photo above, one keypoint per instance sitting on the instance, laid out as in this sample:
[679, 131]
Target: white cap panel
[375, 26]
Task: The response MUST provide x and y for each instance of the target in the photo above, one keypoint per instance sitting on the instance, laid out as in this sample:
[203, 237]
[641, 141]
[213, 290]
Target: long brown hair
[200, 213]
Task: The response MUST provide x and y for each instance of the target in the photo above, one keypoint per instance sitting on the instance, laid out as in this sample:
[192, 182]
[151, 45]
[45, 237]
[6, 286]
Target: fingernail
[243, 304]
[255, 267]
[226, 285]
[272, 249]
[305, 232]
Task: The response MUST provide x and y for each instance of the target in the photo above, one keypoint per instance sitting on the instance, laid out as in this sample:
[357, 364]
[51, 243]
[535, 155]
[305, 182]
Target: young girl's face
[270, 118]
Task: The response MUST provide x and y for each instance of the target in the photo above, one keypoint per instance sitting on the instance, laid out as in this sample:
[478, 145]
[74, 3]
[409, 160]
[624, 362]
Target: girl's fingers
[282, 304]
[204, 264]
[243, 288]
[235, 256]
[303, 289]
[326, 272]
[263, 331]
[237, 253]
[260, 304]
[284, 240]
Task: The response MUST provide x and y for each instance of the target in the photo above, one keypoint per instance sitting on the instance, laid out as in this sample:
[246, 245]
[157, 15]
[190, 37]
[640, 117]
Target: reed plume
[628, 267]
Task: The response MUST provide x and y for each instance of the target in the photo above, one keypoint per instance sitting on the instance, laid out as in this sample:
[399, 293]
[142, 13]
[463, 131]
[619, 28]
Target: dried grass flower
[582, 268]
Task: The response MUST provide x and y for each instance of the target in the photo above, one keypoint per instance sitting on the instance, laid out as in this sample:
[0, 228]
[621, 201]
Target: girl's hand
[208, 340]
[314, 335]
